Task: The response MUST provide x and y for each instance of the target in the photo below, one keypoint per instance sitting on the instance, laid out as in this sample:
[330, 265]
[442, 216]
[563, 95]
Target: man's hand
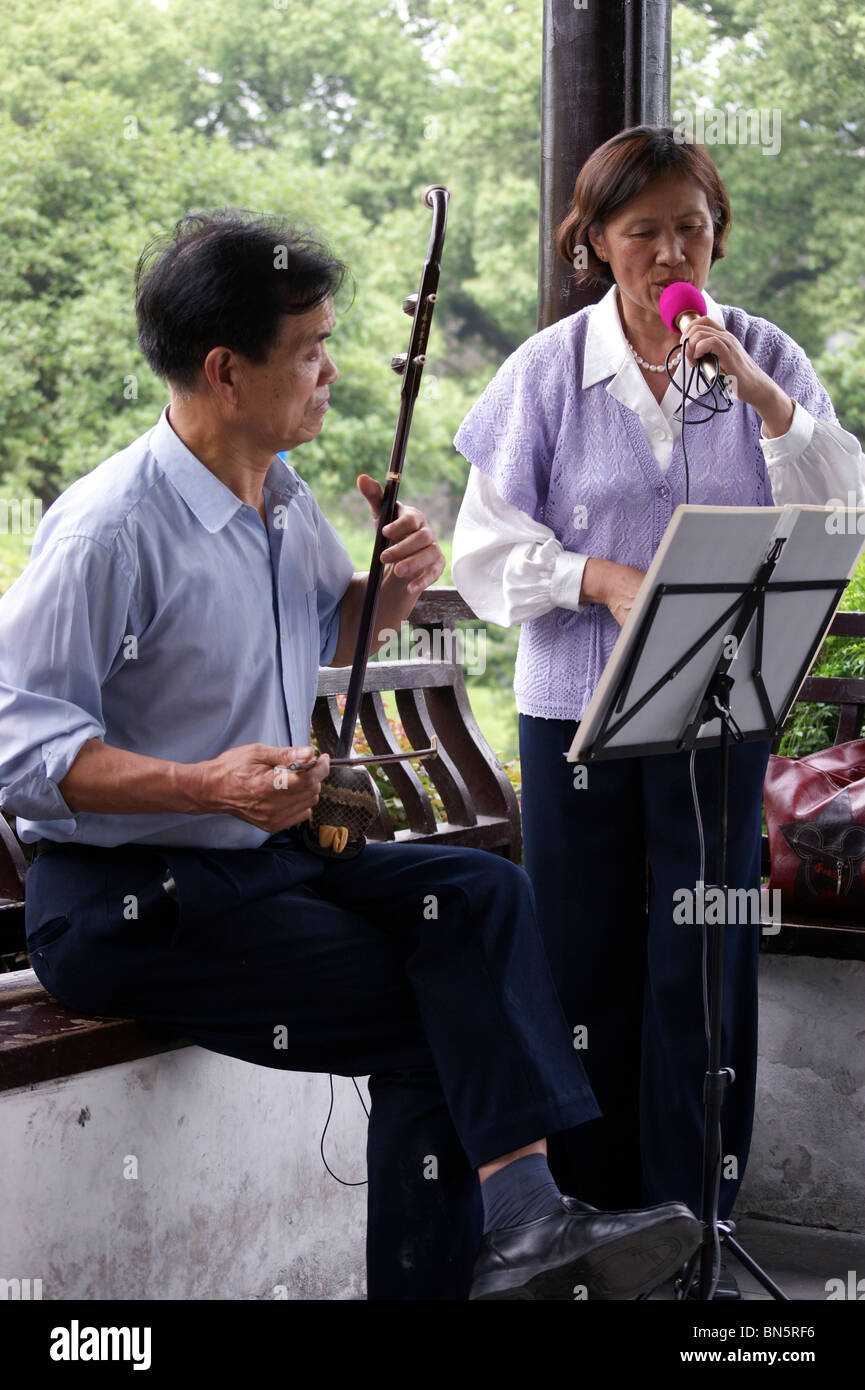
[243, 782]
[252, 783]
[413, 554]
[411, 561]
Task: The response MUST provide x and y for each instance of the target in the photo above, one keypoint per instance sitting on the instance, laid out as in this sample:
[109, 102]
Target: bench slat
[402, 776]
[389, 675]
[847, 624]
[832, 690]
[442, 771]
[487, 782]
[40, 1040]
[441, 604]
[806, 938]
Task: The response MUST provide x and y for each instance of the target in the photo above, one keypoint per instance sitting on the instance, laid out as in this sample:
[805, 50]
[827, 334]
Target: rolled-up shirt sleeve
[507, 566]
[62, 630]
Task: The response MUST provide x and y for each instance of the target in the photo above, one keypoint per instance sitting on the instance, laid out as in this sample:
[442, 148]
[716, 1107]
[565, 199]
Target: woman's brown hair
[618, 171]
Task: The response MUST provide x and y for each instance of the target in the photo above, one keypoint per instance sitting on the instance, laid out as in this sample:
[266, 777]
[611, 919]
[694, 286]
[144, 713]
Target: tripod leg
[753, 1268]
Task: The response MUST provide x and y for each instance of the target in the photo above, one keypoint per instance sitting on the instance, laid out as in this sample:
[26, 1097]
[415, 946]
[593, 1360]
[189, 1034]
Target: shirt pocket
[46, 932]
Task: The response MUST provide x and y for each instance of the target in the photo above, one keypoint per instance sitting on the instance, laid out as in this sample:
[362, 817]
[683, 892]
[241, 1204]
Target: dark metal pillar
[606, 66]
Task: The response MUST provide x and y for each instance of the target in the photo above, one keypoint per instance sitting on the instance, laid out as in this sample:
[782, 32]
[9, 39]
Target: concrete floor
[800, 1259]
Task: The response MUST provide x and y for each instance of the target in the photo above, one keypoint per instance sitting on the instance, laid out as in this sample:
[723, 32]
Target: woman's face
[663, 235]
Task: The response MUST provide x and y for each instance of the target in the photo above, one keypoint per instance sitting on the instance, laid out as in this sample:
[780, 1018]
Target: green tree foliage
[118, 118]
[797, 254]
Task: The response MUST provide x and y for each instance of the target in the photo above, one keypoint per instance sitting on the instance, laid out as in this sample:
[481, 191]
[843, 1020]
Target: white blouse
[511, 568]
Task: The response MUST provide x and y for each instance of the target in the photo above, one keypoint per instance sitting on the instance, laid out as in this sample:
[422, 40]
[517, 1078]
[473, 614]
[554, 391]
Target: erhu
[347, 803]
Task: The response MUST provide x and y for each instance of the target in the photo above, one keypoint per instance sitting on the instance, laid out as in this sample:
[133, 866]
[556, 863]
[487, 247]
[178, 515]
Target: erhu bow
[347, 801]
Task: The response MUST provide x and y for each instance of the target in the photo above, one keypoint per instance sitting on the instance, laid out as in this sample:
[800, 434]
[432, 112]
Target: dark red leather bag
[815, 816]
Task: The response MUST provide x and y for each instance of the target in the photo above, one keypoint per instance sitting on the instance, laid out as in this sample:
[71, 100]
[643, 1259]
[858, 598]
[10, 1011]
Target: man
[158, 661]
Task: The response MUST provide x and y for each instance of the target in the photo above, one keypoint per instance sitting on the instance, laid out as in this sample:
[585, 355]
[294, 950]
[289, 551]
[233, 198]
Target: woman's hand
[605, 581]
[749, 382]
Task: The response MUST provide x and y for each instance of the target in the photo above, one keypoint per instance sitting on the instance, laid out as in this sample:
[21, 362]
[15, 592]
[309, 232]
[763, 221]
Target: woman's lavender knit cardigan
[579, 462]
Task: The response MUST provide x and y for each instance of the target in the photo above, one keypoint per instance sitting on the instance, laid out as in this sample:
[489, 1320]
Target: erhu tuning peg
[409, 305]
[398, 363]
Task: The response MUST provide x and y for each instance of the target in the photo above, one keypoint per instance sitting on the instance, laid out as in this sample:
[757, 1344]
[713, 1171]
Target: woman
[577, 467]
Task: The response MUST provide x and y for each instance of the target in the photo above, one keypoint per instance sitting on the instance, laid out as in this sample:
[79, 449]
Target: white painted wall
[807, 1162]
[231, 1200]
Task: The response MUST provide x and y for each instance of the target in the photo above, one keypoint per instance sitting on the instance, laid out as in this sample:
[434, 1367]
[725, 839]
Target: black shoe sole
[621, 1269]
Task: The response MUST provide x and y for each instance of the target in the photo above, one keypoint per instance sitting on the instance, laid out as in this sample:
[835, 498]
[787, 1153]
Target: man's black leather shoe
[613, 1255]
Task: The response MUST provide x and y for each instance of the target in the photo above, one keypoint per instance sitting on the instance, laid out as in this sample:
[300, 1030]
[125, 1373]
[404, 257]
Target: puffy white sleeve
[508, 566]
[815, 462]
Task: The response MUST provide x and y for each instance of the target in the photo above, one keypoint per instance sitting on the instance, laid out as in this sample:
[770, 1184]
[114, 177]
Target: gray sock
[520, 1192]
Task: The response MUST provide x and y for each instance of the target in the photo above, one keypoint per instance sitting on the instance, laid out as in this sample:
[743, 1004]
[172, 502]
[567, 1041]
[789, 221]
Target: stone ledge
[188, 1176]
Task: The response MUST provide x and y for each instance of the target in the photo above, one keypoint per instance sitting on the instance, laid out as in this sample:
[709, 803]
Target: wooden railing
[431, 699]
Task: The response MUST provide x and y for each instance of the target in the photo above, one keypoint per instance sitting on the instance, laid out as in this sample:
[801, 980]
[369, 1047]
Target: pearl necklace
[650, 366]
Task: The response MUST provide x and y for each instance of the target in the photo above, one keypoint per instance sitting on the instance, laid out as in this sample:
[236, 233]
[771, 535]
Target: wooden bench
[41, 1040]
[803, 936]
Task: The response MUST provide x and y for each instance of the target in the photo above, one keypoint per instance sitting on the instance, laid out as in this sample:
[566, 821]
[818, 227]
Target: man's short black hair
[224, 279]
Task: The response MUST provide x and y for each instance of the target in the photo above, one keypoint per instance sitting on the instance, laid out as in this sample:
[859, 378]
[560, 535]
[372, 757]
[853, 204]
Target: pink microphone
[678, 306]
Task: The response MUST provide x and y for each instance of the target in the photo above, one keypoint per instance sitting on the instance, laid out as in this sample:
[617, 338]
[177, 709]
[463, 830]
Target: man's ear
[220, 368]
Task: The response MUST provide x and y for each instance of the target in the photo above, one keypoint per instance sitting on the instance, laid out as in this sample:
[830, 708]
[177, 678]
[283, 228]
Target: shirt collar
[210, 501]
[606, 352]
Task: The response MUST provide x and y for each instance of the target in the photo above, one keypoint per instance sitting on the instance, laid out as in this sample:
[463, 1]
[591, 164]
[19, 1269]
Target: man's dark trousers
[420, 966]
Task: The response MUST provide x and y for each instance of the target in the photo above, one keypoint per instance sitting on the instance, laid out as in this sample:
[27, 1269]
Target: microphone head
[680, 298]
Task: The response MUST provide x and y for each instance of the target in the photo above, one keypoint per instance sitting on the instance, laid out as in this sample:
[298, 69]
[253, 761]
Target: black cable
[364, 1181]
[716, 1244]
[718, 401]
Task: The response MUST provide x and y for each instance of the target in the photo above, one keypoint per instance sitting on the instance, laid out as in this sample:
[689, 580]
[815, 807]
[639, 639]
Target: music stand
[748, 589]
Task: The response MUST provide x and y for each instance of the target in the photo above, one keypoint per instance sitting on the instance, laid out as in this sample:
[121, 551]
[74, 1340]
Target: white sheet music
[721, 545]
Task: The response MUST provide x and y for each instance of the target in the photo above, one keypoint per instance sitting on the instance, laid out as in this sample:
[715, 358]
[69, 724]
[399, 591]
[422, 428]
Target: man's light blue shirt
[158, 613]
